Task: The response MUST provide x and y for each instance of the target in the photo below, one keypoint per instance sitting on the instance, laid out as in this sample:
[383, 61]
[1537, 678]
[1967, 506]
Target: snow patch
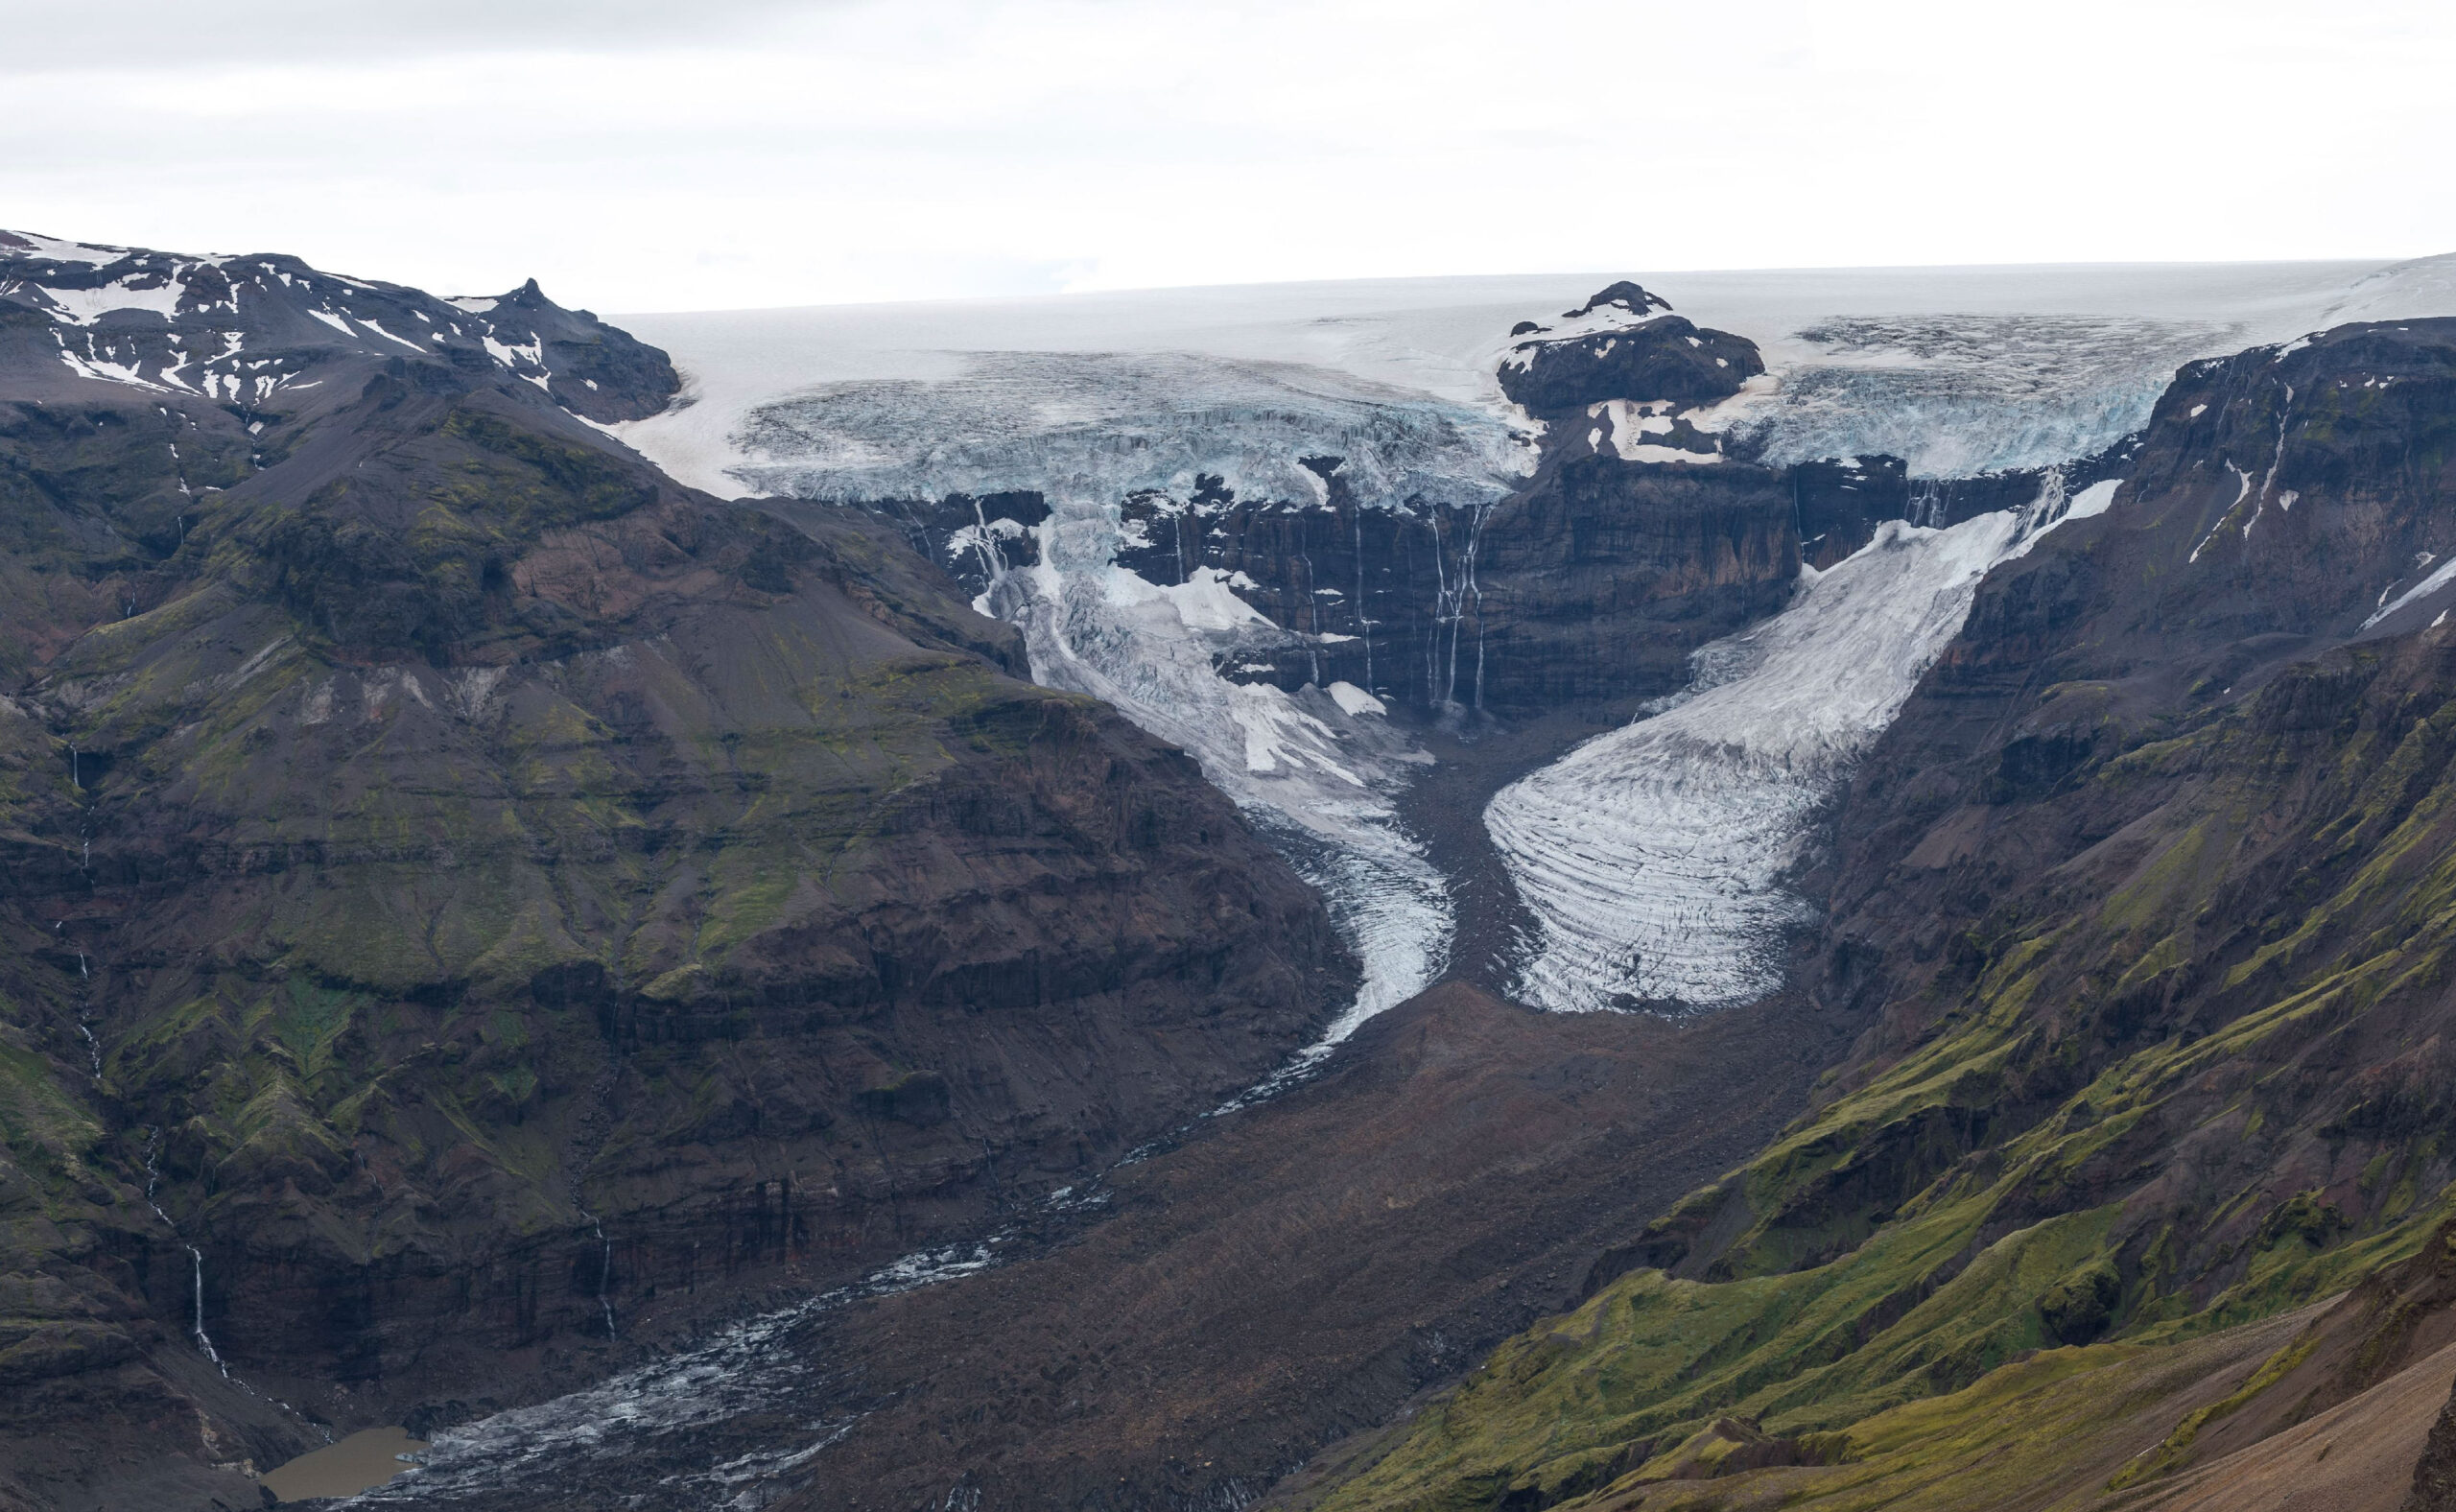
[2094, 500]
[55, 250]
[151, 291]
[1667, 453]
[1354, 700]
[1204, 602]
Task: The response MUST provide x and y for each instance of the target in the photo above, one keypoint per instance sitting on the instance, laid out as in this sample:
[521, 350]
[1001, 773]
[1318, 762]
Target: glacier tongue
[1653, 856]
[1317, 776]
[1086, 431]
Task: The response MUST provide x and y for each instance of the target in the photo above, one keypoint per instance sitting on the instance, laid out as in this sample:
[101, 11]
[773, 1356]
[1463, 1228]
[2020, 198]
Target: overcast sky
[713, 153]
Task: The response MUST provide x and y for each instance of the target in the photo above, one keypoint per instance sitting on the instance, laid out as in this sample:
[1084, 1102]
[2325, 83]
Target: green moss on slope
[2163, 1096]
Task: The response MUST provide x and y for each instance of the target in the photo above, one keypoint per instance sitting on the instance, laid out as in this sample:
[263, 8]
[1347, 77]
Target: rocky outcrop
[468, 899]
[1665, 358]
[2434, 1487]
[593, 370]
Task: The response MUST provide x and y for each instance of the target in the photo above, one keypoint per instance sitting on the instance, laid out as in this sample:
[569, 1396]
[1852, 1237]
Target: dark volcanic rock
[1592, 582]
[1666, 358]
[479, 893]
[1622, 294]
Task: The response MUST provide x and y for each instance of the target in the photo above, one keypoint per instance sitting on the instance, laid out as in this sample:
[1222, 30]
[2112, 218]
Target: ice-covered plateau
[1651, 859]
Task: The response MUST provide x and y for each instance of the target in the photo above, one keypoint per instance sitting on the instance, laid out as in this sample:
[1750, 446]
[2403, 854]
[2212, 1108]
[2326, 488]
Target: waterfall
[1312, 606]
[604, 1275]
[1450, 598]
[203, 1340]
[153, 1177]
[196, 1256]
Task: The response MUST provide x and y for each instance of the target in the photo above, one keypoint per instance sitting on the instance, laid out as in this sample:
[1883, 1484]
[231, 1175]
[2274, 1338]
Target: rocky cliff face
[2140, 895]
[468, 898]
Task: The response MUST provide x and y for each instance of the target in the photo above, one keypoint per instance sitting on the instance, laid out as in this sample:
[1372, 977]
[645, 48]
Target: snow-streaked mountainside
[243, 329]
[1651, 859]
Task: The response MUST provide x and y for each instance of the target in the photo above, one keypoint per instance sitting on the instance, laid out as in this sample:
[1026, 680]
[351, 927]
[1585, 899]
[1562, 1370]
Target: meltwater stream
[724, 1422]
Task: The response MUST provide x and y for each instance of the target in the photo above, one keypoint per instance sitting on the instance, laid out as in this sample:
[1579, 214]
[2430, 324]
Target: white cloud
[635, 156]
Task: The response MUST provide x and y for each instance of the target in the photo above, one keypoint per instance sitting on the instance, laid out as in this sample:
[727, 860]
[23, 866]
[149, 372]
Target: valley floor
[1287, 1275]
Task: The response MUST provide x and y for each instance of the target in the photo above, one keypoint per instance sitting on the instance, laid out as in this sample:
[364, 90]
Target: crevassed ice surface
[1653, 856]
[1086, 431]
[1956, 369]
[1955, 396]
[1096, 427]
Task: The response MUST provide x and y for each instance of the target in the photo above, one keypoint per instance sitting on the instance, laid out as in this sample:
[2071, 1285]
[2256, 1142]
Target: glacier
[1654, 857]
[1912, 352]
[1672, 892]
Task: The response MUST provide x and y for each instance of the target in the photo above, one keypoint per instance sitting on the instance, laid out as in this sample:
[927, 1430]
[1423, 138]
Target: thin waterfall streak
[203, 1340]
[604, 1275]
[1363, 619]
